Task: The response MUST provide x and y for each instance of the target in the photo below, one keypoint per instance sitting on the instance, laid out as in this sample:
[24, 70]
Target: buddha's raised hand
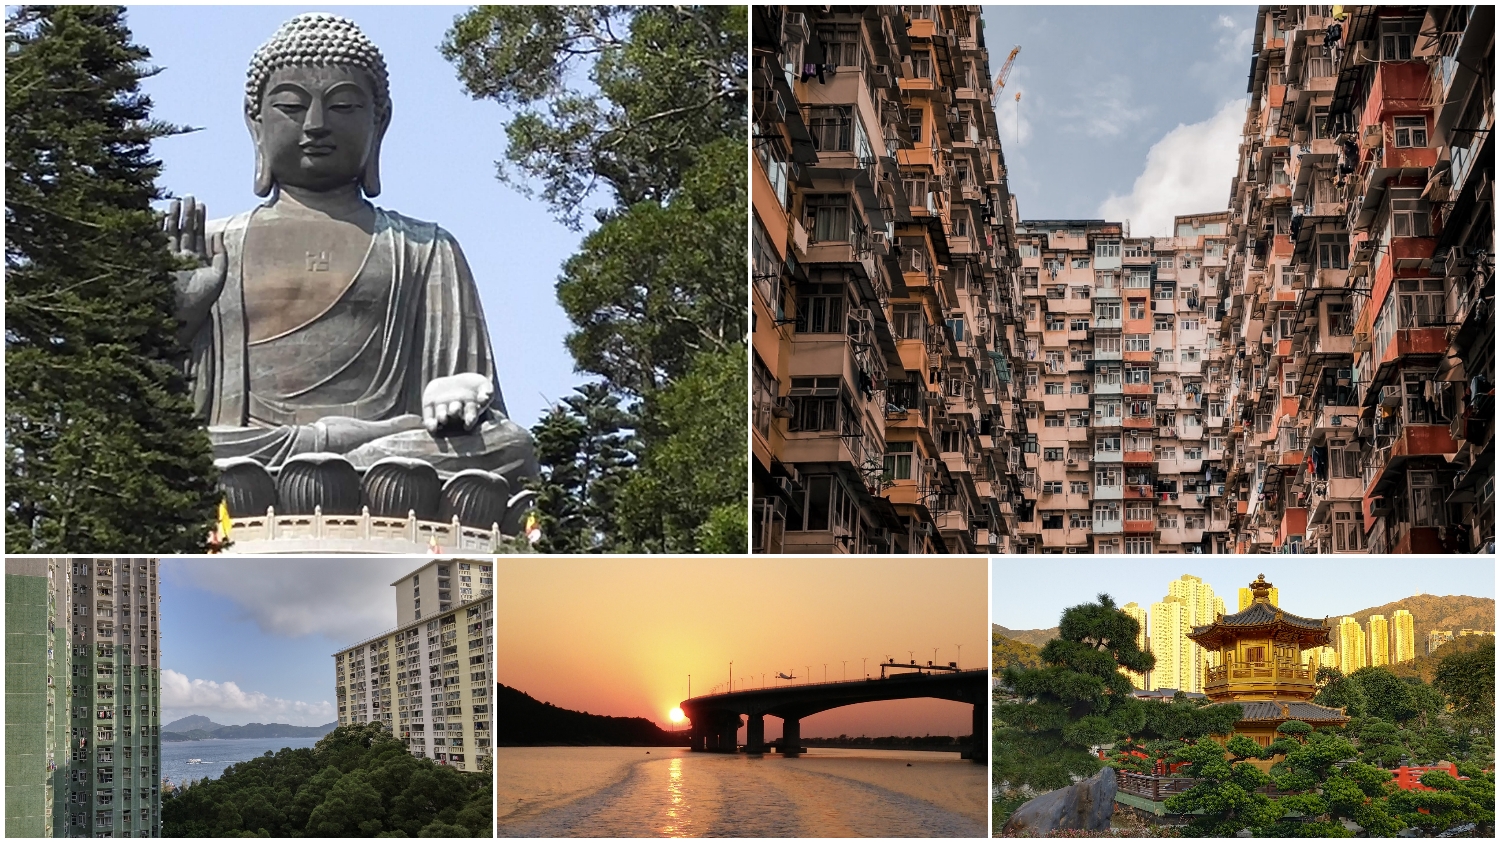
[187, 237]
[456, 400]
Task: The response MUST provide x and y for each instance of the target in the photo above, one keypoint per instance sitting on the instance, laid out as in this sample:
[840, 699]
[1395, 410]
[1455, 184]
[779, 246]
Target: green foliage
[1386, 696]
[587, 454]
[1078, 698]
[358, 781]
[1295, 729]
[1468, 681]
[648, 103]
[103, 453]
[1451, 802]
[1336, 690]
[663, 82]
[1005, 652]
[1225, 800]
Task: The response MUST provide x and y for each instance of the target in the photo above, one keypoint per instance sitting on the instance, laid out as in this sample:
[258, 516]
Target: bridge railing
[796, 684]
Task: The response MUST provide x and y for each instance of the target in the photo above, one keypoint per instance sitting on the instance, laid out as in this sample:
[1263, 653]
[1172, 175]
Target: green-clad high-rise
[82, 688]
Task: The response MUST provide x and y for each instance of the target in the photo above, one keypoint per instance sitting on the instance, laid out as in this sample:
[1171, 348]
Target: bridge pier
[981, 751]
[791, 736]
[755, 734]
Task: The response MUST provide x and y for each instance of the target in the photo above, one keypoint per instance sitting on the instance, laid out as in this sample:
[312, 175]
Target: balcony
[1107, 353]
[1109, 493]
[1114, 388]
[1108, 526]
[1140, 526]
[1288, 679]
[1139, 458]
[1104, 457]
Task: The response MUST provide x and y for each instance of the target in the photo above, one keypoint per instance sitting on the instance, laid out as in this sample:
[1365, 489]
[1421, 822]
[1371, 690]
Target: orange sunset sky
[620, 636]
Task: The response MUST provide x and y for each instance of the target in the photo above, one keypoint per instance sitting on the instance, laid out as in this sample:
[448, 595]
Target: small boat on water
[195, 761]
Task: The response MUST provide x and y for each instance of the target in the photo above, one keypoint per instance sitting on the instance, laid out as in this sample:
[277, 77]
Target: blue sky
[252, 640]
[1126, 112]
[437, 164]
[1031, 596]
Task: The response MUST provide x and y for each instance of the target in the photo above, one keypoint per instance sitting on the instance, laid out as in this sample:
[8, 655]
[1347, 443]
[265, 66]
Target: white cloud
[1104, 109]
[226, 702]
[346, 600]
[1188, 171]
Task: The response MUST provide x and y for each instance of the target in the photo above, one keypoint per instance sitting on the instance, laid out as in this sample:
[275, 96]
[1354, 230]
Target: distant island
[196, 727]
[524, 721]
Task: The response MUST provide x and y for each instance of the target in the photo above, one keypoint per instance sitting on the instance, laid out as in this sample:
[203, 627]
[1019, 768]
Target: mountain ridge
[248, 731]
[523, 720]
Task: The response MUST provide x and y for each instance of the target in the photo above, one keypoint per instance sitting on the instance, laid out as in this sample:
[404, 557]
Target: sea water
[217, 754]
[672, 792]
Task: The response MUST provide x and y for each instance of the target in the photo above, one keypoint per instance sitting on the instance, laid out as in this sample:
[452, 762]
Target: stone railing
[322, 502]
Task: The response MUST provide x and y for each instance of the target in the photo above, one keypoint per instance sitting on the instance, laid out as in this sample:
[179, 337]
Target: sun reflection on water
[676, 825]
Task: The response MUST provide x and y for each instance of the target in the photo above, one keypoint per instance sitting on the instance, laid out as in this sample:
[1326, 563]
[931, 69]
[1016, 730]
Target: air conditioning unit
[1364, 52]
[784, 484]
[929, 465]
[794, 28]
[782, 408]
[1372, 136]
[881, 74]
[1361, 340]
[1390, 396]
[1072, 462]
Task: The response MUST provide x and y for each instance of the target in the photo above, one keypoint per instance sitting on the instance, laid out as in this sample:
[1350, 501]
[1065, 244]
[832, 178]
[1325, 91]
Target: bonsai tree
[1078, 699]
[1451, 802]
[1225, 800]
[1325, 787]
[1336, 690]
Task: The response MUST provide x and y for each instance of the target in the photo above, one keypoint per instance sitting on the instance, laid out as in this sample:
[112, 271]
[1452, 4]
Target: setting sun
[676, 716]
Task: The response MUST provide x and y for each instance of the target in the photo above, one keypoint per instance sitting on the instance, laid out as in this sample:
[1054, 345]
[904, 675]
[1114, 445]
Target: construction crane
[1005, 71]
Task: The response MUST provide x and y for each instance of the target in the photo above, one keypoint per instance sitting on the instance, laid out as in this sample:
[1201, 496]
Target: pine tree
[585, 448]
[103, 453]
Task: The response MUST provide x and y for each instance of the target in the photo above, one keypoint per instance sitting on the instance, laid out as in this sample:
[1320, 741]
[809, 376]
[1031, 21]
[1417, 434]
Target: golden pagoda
[1260, 666]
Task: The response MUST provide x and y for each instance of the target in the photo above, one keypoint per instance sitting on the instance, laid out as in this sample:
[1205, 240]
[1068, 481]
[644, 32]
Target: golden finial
[1261, 589]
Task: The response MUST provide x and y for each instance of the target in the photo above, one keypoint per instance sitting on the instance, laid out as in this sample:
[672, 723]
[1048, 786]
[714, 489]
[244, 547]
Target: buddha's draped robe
[351, 379]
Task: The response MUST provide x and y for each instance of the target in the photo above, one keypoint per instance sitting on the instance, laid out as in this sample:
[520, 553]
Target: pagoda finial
[1261, 589]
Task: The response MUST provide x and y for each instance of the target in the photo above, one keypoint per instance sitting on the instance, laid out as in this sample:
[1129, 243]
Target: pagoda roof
[1260, 614]
[1304, 711]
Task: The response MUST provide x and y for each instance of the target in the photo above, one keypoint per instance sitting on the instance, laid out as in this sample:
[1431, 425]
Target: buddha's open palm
[187, 237]
[456, 399]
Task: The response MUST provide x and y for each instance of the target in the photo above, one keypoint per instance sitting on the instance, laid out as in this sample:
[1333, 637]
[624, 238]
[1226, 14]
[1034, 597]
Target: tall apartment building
[427, 680]
[82, 713]
[1352, 652]
[446, 583]
[1380, 640]
[884, 298]
[1122, 399]
[1437, 638]
[1142, 641]
[1403, 637]
[1358, 328]
[1321, 657]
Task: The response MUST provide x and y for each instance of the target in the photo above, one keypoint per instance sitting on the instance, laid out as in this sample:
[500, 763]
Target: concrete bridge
[716, 718]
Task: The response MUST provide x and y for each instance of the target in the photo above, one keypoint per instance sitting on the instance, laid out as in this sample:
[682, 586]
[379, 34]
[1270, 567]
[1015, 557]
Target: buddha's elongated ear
[370, 180]
[263, 180]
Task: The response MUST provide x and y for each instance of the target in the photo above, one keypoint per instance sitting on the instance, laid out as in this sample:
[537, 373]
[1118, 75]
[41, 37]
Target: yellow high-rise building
[1174, 653]
[1247, 597]
[1318, 657]
[1352, 653]
[1203, 607]
[1403, 637]
[1380, 641]
[1142, 681]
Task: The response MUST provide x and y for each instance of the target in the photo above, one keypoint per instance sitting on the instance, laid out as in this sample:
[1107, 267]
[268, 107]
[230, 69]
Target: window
[1107, 409]
[820, 309]
[1189, 324]
[1348, 536]
[1052, 487]
[956, 327]
[1080, 387]
[1080, 263]
[1166, 522]
[1137, 374]
[1167, 452]
[1426, 499]
[1163, 323]
[1053, 420]
[1397, 36]
[828, 217]
[1056, 322]
[1410, 216]
[1079, 324]
[1079, 418]
[914, 129]
[1137, 308]
[841, 44]
[909, 323]
[1052, 520]
[815, 404]
[1137, 342]
[1421, 302]
[1078, 487]
[1344, 461]
[921, 62]
[1053, 388]
[1052, 454]
[1411, 131]
[1139, 279]
[1107, 375]
[1107, 444]
[1107, 310]
[832, 128]
[1333, 250]
[898, 460]
[1055, 362]
[1137, 545]
[1192, 453]
[1106, 248]
[961, 227]
[1107, 511]
[1079, 292]
[1288, 382]
[1107, 477]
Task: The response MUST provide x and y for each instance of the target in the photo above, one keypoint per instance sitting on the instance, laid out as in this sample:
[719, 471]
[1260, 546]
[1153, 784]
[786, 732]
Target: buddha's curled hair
[315, 39]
